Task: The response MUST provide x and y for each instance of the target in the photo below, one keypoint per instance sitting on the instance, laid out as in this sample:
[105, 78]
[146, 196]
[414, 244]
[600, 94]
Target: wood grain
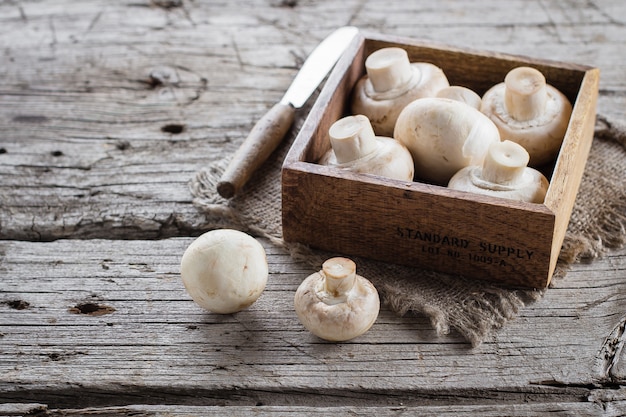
[153, 341]
[108, 109]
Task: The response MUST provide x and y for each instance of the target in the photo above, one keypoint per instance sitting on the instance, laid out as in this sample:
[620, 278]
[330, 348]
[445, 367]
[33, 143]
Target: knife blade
[271, 128]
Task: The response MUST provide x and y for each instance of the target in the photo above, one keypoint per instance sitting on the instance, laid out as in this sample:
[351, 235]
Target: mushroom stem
[505, 163]
[339, 274]
[525, 94]
[388, 68]
[352, 138]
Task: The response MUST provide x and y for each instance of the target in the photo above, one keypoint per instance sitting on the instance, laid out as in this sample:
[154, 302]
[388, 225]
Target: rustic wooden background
[108, 109]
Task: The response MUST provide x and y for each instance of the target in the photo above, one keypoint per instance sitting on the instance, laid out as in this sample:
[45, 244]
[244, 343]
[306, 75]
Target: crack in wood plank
[611, 352]
[77, 397]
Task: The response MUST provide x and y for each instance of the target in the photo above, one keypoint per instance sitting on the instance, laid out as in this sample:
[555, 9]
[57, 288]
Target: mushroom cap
[462, 94]
[391, 160]
[541, 136]
[336, 315]
[532, 187]
[383, 109]
[444, 136]
[224, 270]
[504, 174]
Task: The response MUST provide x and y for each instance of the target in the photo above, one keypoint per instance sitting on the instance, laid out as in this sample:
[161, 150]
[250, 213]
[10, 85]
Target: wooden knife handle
[264, 137]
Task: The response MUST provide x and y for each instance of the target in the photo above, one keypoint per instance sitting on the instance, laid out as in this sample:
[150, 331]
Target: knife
[270, 130]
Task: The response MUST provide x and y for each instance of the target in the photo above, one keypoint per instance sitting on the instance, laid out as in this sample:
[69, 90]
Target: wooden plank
[90, 100]
[111, 323]
[590, 409]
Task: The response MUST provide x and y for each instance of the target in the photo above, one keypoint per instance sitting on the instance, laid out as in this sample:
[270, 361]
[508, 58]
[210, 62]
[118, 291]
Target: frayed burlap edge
[597, 229]
[475, 309]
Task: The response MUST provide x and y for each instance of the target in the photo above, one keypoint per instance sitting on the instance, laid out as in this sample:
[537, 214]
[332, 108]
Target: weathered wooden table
[107, 111]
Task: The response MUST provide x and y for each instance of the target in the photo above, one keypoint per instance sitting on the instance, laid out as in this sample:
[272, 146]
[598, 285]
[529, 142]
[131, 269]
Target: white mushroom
[356, 148]
[530, 112]
[335, 303]
[505, 174]
[444, 136]
[391, 83]
[224, 270]
[462, 94]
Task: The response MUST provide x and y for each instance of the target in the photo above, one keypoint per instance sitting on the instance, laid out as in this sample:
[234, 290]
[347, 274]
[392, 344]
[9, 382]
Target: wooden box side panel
[417, 225]
[569, 167]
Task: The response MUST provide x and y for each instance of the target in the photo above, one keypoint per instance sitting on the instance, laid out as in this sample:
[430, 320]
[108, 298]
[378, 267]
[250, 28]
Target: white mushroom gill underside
[552, 109]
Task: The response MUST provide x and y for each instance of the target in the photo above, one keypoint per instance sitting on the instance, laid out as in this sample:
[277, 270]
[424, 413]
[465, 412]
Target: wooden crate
[425, 225]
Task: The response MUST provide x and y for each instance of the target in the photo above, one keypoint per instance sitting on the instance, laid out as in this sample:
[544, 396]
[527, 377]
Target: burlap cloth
[476, 309]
